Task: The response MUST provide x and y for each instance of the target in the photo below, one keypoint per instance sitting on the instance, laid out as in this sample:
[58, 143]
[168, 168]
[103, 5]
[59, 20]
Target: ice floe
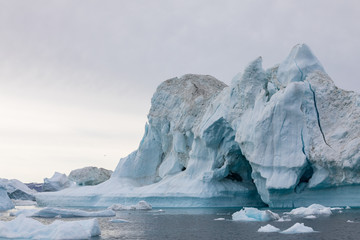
[28, 228]
[314, 209]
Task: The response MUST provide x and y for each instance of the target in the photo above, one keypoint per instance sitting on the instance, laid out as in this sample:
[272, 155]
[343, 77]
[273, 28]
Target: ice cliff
[285, 137]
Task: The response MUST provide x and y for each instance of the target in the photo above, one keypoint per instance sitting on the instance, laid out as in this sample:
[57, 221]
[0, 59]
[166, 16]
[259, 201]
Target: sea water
[200, 223]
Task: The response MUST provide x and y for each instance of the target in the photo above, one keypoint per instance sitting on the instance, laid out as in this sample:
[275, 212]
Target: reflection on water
[199, 223]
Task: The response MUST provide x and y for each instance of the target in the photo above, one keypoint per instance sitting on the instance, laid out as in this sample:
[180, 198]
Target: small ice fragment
[350, 221]
[298, 228]
[347, 207]
[268, 228]
[219, 219]
[310, 217]
[254, 214]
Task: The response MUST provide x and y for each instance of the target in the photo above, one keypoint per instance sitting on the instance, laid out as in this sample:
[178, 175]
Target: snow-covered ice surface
[57, 182]
[298, 228]
[253, 214]
[312, 210]
[27, 228]
[284, 136]
[141, 205]
[268, 228]
[89, 176]
[50, 212]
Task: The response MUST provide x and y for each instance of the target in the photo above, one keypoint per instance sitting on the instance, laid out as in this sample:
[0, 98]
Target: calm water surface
[200, 224]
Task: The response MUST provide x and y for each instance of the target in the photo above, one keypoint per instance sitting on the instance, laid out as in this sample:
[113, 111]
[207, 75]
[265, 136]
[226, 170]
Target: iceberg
[312, 210]
[49, 212]
[298, 228]
[27, 228]
[281, 137]
[17, 190]
[5, 202]
[57, 182]
[253, 214]
[268, 228]
[89, 176]
[141, 205]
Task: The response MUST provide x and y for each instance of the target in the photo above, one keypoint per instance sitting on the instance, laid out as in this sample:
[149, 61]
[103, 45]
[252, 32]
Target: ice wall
[286, 135]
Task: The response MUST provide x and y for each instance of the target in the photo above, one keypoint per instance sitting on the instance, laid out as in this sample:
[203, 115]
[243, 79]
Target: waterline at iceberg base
[282, 137]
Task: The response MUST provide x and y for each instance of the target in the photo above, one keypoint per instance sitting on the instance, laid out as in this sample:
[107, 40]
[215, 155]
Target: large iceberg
[285, 137]
[27, 228]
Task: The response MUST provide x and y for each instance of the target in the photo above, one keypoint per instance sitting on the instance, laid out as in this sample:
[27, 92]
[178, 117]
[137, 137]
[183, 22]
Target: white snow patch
[298, 228]
[27, 228]
[268, 228]
[254, 214]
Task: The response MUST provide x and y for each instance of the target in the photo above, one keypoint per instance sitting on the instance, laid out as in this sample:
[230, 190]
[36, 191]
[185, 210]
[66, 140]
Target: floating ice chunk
[314, 209]
[119, 220]
[141, 205]
[62, 213]
[335, 208]
[310, 217]
[347, 207]
[350, 221]
[284, 219]
[298, 228]
[268, 228]
[27, 228]
[219, 219]
[254, 214]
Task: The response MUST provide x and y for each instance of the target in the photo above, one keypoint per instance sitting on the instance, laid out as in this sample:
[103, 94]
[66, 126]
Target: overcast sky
[76, 77]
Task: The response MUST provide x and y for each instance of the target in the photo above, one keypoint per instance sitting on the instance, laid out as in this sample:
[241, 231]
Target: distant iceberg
[283, 137]
[312, 210]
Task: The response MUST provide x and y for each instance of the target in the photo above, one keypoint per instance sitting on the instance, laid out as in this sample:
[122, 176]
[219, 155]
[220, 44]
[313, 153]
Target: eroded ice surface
[89, 176]
[253, 214]
[27, 228]
[284, 136]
